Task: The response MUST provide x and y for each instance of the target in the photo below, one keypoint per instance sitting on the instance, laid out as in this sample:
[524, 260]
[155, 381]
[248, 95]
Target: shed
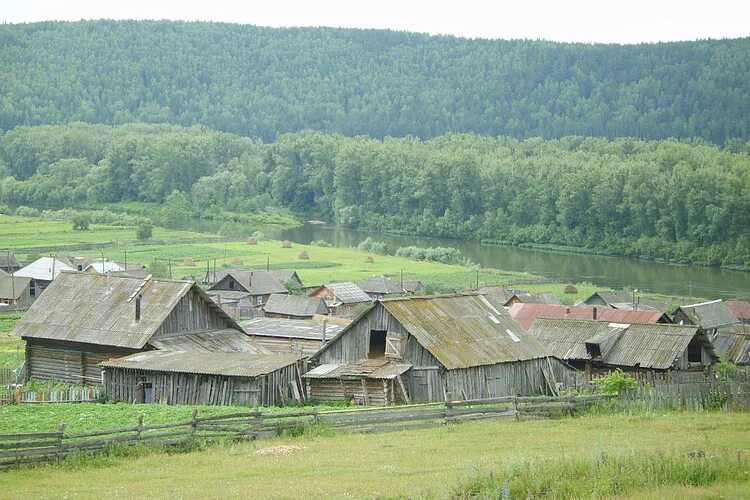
[711, 316]
[83, 319]
[589, 344]
[526, 314]
[342, 299]
[294, 306]
[191, 378]
[733, 344]
[378, 287]
[259, 284]
[15, 293]
[285, 336]
[458, 344]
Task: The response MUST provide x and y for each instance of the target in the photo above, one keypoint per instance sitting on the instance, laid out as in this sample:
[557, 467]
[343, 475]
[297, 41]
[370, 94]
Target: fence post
[139, 428]
[193, 423]
[17, 396]
[60, 435]
[514, 405]
[448, 405]
[257, 422]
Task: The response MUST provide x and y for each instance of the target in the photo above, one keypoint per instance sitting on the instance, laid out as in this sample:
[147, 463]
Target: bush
[725, 369]
[615, 383]
[434, 254]
[144, 232]
[81, 222]
[320, 243]
[369, 245]
[24, 211]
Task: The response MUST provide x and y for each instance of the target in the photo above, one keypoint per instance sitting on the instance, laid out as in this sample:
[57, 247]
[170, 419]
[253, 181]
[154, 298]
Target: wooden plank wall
[45, 361]
[191, 314]
[378, 392]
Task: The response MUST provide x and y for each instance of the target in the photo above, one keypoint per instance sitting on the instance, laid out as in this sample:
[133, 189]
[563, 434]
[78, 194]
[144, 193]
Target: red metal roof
[740, 308]
[525, 314]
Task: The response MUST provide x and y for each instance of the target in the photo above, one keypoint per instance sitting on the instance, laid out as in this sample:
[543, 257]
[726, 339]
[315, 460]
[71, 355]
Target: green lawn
[420, 463]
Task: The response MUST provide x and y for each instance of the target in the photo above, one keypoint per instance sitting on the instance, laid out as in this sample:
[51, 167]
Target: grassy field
[436, 462]
[11, 348]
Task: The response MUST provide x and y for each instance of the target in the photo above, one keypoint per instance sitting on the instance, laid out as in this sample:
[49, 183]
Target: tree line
[264, 82]
[684, 201]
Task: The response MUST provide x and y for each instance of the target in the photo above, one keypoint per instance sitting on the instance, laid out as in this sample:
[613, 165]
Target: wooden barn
[192, 378]
[285, 336]
[342, 299]
[294, 307]
[421, 349]
[711, 316]
[598, 345]
[733, 344]
[259, 284]
[83, 319]
[15, 293]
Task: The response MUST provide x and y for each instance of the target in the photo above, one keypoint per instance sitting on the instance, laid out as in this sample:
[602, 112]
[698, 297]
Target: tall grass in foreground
[604, 475]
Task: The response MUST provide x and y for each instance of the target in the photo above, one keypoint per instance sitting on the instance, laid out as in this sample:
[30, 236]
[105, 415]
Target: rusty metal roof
[227, 340]
[709, 315]
[464, 330]
[652, 345]
[526, 314]
[366, 368]
[733, 344]
[235, 364]
[295, 305]
[740, 308]
[100, 309]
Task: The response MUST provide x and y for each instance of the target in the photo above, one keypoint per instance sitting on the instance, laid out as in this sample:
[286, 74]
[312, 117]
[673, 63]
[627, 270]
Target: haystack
[570, 289]
[236, 261]
[252, 240]
[369, 259]
[303, 255]
[189, 262]
[286, 244]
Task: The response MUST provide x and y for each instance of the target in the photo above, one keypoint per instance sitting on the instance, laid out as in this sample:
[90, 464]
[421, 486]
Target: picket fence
[77, 395]
[18, 449]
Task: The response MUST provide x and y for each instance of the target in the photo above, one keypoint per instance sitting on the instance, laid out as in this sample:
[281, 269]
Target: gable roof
[412, 285]
[634, 345]
[237, 364]
[464, 330]
[111, 266]
[227, 340]
[709, 315]
[8, 259]
[380, 285]
[99, 309]
[42, 269]
[254, 282]
[500, 293]
[526, 314]
[733, 344]
[10, 284]
[740, 308]
[623, 299]
[295, 305]
[347, 292]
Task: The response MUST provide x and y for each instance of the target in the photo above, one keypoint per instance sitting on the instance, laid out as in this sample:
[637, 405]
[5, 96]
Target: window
[231, 284]
[694, 352]
[377, 344]
[32, 289]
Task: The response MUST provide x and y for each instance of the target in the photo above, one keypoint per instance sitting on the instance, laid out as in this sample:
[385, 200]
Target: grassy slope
[424, 462]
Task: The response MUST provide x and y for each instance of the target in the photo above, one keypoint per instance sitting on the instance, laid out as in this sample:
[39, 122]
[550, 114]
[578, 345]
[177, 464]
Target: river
[607, 272]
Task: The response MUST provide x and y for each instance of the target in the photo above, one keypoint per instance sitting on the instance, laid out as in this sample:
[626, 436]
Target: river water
[603, 271]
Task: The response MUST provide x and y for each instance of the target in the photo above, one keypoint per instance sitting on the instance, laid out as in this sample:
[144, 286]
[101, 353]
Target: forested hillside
[682, 201]
[263, 82]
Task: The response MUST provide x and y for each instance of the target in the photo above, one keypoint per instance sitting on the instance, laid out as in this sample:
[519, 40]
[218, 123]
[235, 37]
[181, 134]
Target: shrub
[320, 243]
[725, 369]
[144, 231]
[615, 383]
[369, 245]
[81, 222]
[434, 254]
[24, 211]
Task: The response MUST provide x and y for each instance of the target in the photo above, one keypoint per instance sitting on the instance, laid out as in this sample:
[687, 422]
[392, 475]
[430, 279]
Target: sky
[591, 21]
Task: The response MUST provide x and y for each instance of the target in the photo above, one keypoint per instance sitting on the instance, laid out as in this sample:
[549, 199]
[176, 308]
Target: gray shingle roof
[290, 328]
[9, 284]
[348, 293]
[632, 345]
[227, 340]
[380, 285]
[238, 364]
[733, 344]
[44, 268]
[464, 330]
[295, 305]
[255, 282]
[709, 315]
[98, 309]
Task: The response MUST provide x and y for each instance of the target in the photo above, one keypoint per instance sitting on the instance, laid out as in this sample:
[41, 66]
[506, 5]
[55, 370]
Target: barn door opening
[147, 392]
[377, 344]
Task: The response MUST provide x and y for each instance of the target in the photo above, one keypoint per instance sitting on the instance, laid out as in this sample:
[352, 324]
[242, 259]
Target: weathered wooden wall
[68, 362]
[374, 392]
[123, 384]
[191, 314]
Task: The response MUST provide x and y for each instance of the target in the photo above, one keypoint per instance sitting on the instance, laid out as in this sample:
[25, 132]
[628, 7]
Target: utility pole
[12, 281]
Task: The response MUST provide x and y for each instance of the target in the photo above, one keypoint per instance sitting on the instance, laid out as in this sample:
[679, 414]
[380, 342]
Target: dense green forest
[687, 201]
[264, 82]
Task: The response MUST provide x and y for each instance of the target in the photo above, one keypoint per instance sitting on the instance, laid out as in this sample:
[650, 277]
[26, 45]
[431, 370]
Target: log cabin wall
[191, 314]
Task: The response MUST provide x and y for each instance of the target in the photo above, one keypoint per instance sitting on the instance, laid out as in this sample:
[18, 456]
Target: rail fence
[18, 449]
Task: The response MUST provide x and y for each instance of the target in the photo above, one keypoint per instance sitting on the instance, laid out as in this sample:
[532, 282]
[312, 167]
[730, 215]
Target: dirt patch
[284, 449]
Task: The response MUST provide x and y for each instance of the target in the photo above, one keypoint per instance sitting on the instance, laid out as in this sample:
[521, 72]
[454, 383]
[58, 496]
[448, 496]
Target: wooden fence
[17, 449]
[7, 376]
[729, 394]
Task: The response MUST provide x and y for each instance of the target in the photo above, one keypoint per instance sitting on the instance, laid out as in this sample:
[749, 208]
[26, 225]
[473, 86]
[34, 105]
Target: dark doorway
[148, 392]
[694, 352]
[377, 344]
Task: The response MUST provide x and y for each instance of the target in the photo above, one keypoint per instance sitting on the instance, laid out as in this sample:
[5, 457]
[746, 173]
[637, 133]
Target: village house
[424, 349]
[733, 344]
[259, 284]
[712, 316]
[286, 277]
[741, 309]
[294, 306]
[411, 286]
[8, 262]
[236, 304]
[622, 299]
[380, 287]
[600, 346]
[507, 296]
[42, 271]
[342, 299]
[15, 293]
[200, 378]
[108, 266]
[83, 319]
[526, 314]
[284, 336]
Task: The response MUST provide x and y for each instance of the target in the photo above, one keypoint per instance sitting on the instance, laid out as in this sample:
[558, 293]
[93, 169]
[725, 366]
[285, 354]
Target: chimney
[594, 313]
[138, 308]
